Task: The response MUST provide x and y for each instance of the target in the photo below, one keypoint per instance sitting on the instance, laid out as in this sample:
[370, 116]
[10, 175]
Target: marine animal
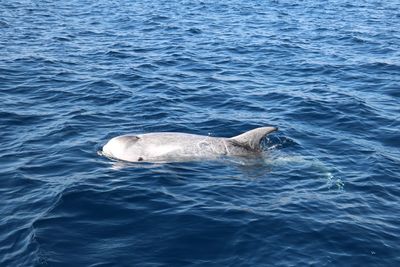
[171, 146]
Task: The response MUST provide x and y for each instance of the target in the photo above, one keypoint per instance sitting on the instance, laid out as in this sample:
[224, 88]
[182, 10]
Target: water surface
[74, 74]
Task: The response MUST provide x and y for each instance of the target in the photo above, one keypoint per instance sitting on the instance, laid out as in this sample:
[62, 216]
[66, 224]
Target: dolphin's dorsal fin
[253, 137]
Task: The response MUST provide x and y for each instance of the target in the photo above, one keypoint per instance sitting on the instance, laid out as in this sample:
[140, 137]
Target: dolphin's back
[167, 145]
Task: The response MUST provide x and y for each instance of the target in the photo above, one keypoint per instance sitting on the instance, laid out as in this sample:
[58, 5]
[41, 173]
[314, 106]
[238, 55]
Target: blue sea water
[73, 74]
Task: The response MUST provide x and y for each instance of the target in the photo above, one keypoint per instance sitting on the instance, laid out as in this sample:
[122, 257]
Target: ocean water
[326, 191]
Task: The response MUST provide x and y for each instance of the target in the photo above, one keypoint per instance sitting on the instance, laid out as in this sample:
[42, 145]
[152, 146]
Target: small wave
[194, 31]
[4, 24]
[118, 54]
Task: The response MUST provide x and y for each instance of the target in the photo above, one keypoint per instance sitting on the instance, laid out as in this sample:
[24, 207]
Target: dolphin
[172, 147]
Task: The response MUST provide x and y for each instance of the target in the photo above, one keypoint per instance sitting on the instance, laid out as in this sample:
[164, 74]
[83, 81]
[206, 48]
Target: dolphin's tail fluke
[253, 138]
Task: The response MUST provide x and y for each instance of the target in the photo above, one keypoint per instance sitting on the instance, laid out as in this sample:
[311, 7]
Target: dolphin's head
[118, 148]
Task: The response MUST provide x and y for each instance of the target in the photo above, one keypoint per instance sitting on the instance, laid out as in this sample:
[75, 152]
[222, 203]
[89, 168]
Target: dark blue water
[74, 74]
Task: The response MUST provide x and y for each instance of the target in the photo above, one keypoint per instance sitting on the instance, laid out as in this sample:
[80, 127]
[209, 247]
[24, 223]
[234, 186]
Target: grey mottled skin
[168, 147]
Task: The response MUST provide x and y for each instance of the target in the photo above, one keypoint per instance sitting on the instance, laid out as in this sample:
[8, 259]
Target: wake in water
[276, 157]
[296, 162]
